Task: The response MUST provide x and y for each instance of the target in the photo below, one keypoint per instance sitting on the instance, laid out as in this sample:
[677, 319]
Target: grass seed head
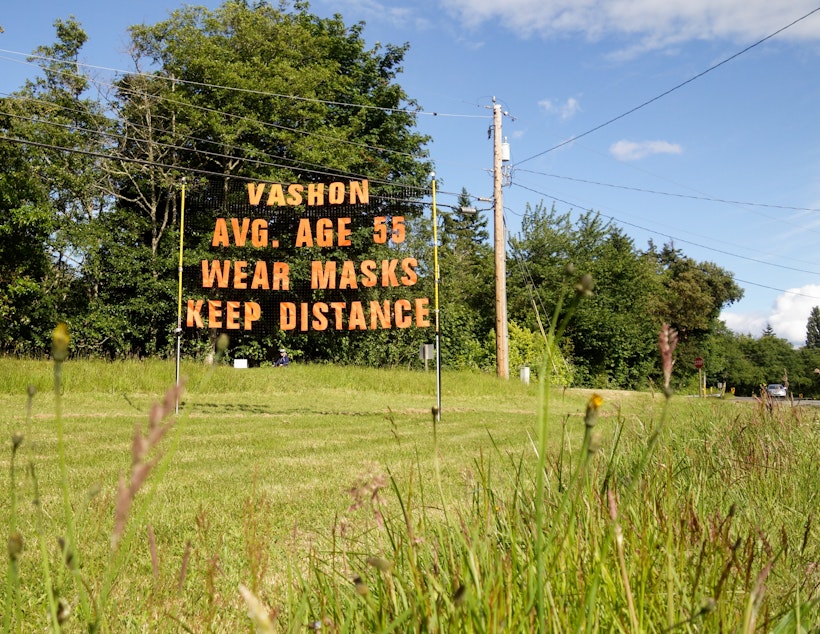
[584, 285]
[667, 342]
[361, 587]
[15, 546]
[380, 563]
[257, 611]
[63, 611]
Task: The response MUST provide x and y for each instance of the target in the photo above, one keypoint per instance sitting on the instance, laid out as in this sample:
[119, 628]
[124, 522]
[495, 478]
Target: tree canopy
[90, 217]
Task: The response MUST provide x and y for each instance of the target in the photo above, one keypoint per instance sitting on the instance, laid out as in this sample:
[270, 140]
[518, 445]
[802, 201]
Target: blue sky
[727, 166]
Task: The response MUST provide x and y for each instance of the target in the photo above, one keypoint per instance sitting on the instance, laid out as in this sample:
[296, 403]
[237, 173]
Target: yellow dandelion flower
[59, 342]
[593, 405]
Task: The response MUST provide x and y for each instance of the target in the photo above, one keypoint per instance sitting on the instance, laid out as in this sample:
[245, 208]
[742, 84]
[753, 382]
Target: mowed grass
[300, 483]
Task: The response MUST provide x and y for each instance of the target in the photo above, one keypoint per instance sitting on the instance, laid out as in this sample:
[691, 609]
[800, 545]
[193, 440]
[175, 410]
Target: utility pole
[500, 249]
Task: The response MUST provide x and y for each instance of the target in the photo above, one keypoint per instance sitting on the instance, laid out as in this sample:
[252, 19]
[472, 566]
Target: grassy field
[324, 497]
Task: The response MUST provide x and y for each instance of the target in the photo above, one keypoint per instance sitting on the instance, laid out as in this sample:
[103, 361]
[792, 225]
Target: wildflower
[593, 405]
[667, 342]
[59, 343]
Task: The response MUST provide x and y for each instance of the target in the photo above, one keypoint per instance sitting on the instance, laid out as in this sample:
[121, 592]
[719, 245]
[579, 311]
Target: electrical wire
[296, 165]
[783, 221]
[300, 165]
[779, 290]
[240, 90]
[207, 173]
[653, 231]
[668, 92]
[659, 193]
[101, 84]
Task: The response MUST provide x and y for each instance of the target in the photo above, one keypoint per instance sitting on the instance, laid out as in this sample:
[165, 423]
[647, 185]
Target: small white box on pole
[240, 363]
[525, 375]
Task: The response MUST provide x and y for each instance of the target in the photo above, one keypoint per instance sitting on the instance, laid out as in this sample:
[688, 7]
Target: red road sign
[698, 363]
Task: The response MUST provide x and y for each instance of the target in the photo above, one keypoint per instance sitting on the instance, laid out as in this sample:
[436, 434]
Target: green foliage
[610, 340]
[94, 242]
[694, 292]
[813, 328]
[529, 348]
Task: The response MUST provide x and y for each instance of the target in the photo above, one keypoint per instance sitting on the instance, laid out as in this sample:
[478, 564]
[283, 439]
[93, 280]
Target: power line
[222, 113]
[296, 165]
[805, 229]
[653, 231]
[671, 90]
[779, 290]
[100, 84]
[687, 196]
[202, 172]
[240, 90]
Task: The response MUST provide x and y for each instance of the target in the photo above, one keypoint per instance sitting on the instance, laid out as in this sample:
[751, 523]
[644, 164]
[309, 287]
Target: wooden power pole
[500, 249]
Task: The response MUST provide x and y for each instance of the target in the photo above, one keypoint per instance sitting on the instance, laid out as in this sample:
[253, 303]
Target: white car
[776, 390]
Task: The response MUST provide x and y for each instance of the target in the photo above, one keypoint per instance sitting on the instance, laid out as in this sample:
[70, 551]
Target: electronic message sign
[298, 258]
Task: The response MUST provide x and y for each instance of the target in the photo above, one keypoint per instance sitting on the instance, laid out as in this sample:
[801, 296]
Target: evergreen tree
[467, 286]
[813, 329]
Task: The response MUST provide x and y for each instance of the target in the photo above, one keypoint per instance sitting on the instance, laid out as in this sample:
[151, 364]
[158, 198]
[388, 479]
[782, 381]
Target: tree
[249, 91]
[695, 292]
[612, 337]
[773, 358]
[467, 287]
[55, 172]
[813, 329]
[614, 332]
[539, 256]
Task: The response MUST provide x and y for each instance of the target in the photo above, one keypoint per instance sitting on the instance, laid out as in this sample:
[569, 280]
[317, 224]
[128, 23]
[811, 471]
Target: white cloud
[565, 110]
[633, 151]
[395, 15]
[657, 23]
[791, 312]
[746, 323]
[788, 316]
